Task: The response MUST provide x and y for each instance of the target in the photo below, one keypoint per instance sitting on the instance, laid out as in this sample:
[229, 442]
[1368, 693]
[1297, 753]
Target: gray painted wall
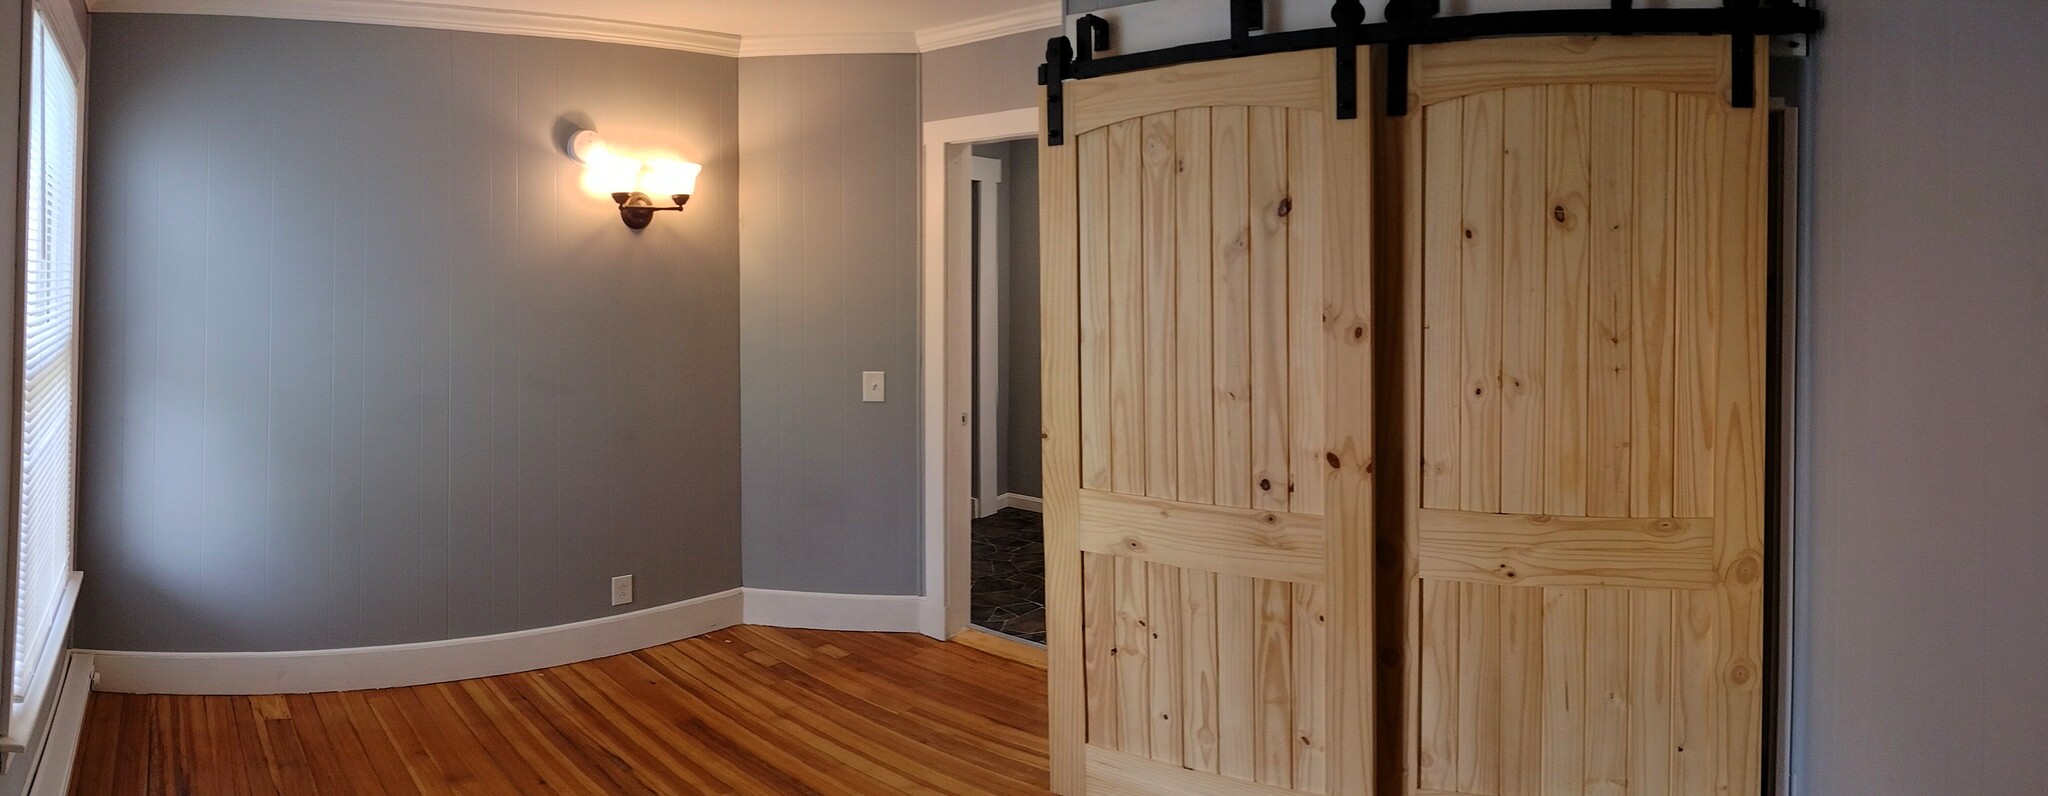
[1925, 620]
[367, 367]
[829, 237]
[1021, 422]
[983, 77]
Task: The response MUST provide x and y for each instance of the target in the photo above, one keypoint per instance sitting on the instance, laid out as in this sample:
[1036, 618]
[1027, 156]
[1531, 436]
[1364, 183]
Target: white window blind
[48, 353]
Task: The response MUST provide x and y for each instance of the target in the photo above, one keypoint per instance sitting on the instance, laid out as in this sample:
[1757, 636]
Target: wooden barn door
[1584, 236]
[1207, 388]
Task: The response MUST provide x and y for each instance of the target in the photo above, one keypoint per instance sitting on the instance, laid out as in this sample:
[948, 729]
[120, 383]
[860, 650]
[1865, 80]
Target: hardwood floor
[748, 710]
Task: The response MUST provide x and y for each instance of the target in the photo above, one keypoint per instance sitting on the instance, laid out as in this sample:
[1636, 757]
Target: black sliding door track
[1415, 22]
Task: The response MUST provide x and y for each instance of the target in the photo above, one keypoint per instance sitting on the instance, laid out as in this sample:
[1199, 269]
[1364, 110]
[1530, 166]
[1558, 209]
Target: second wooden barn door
[1584, 232]
[1207, 390]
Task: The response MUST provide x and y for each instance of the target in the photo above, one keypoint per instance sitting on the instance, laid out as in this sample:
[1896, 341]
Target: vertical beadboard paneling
[829, 289]
[366, 366]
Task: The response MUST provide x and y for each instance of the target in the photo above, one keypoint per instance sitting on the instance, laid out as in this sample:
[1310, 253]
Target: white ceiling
[732, 27]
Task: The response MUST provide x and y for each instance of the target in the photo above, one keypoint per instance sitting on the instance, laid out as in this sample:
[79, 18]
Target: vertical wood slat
[1651, 660]
[1267, 136]
[1525, 215]
[1479, 258]
[1437, 739]
[1163, 596]
[1231, 235]
[1200, 732]
[1695, 720]
[1307, 160]
[1126, 308]
[1609, 307]
[1567, 260]
[1608, 692]
[1310, 683]
[1159, 238]
[1521, 700]
[1272, 675]
[1062, 373]
[1564, 690]
[1237, 610]
[1650, 365]
[1098, 647]
[1695, 287]
[1350, 409]
[1479, 688]
[1739, 461]
[1403, 225]
[1443, 153]
[1195, 370]
[1133, 657]
[1094, 290]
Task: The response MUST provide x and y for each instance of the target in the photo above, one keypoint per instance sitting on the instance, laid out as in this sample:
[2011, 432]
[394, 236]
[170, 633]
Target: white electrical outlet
[622, 589]
[871, 386]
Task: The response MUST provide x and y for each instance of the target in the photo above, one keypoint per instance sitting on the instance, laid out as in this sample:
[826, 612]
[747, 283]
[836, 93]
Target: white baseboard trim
[397, 665]
[52, 773]
[1012, 500]
[300, 672]
[877, 613]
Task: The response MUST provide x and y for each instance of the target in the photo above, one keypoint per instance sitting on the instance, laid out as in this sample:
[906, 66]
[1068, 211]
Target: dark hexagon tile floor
[1009, 574]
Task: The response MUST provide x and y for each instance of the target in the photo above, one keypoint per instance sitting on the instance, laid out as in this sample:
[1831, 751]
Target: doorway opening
[1007, 536]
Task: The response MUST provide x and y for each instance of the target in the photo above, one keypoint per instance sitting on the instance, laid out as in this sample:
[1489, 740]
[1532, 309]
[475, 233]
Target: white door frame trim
[988, 180]
[943, 362]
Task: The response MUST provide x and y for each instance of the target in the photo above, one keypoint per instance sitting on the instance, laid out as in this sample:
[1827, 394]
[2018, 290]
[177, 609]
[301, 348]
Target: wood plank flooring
[747, 710]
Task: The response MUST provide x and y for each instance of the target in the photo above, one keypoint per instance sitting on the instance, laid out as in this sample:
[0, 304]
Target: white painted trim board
[875, 613]
[397, 665]
[1012, 500]
[59, 749]
[391, 666]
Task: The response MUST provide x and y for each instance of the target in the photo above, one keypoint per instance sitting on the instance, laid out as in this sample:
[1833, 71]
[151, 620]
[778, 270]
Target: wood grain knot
[1286, 206]
[1335, 463]
[1358, 333]
[1747, 570]
[1134, 544]
[1559, 214]
[1740, 674]
[1468, 233]
[1265, 485]
[1507, 572]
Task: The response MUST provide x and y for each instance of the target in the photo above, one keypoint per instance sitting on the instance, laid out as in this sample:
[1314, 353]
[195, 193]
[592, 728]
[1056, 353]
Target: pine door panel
[1217, 508]
[1585, 532]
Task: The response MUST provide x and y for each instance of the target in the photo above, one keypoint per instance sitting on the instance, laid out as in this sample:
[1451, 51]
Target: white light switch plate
[622, 589]
[871, 386]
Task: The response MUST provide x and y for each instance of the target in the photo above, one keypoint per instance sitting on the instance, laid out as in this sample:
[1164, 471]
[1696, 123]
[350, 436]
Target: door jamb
[988, 178]
[943, 364]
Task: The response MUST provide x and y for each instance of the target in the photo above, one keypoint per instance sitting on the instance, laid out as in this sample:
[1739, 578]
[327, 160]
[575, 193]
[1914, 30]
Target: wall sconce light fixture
[633, 182]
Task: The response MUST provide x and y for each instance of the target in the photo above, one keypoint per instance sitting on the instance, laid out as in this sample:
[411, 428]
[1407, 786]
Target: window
[48, 375]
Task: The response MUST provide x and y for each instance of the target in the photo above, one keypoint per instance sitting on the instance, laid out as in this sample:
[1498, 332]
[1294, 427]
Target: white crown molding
[1023, 20]
[827, 44]
[412, 14]
[445, 17]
